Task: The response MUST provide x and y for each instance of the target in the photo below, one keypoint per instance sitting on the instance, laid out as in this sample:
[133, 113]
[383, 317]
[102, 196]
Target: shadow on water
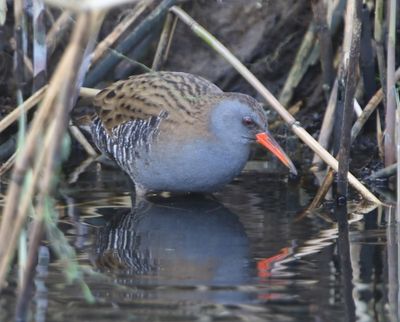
[244, 254]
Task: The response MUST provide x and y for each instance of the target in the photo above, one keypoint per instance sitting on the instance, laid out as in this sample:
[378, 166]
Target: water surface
[246, 253]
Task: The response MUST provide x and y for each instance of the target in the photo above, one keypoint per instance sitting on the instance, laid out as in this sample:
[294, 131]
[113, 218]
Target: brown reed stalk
[357, 126]
[84, 36]
[58, 30]
[33, 101]
[379, 44]
[361, 120]
[77, 134]
[168, 47]
[130, 41]
[26, 106]
[299, 68]
[325, 44]
[53, 116]
[7, 165]
[119, 30]
[165, 37]
[307, 55]
[379, 135]
[327, 125]
[322, 191]
[267, 95]
[87, 5]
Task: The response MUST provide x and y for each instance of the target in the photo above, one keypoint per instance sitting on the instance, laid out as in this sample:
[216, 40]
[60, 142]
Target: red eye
[248, 121]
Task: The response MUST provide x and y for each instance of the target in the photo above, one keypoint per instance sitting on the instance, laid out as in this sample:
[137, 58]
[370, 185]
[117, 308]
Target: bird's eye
[248, 121]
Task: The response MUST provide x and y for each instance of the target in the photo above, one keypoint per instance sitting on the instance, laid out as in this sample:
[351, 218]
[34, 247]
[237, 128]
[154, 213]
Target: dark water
[245, 254]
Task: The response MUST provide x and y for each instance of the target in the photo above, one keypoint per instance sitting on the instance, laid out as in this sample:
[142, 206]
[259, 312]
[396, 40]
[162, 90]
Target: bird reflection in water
[176, 241]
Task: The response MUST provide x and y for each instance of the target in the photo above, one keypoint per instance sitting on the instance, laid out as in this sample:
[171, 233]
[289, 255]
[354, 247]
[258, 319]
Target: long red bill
[266, 140]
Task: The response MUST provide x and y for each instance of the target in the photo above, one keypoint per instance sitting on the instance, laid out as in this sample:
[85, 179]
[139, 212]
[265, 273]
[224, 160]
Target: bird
[178, 132]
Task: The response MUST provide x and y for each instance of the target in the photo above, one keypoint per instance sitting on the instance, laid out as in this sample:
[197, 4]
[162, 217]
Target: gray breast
[201, 166]
[198, 165]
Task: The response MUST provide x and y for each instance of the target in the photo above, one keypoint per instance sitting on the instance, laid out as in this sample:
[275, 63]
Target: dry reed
[288, 118]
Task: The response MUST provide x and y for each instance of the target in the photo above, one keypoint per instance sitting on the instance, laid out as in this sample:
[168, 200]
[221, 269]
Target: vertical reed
[162, 46]
[390, 117]
[351, 52]
[325, 43]
[367, 58]
[39, 46]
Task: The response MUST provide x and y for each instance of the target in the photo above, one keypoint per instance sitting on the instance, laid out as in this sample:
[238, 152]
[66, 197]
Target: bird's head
[240, 119]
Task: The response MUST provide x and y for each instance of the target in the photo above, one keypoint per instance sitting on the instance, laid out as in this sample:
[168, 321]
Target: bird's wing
[147, 95]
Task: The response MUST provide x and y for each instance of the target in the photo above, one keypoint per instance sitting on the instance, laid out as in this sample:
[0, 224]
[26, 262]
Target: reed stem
[287, 117]
[390, 117]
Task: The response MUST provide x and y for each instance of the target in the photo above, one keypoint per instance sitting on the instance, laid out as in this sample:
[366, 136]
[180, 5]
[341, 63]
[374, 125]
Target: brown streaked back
[182, 95]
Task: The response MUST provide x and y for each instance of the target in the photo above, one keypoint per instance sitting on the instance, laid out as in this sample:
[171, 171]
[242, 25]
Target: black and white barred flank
[127, 140]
